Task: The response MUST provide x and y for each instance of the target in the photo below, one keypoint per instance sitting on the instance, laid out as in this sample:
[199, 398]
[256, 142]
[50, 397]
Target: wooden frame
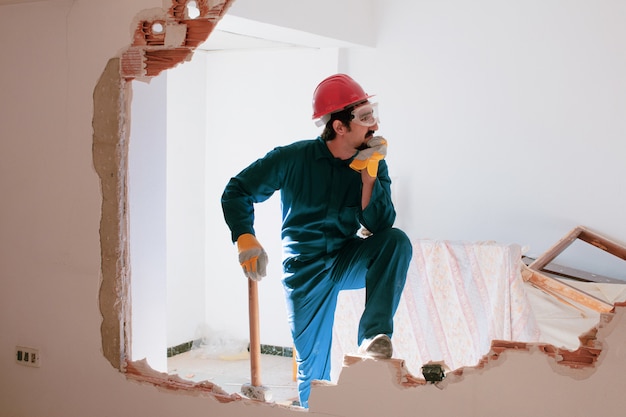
[585, 235]
[533, 273]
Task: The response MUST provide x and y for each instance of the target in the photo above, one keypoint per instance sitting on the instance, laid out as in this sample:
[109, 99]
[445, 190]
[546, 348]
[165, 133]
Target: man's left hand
[368, 158]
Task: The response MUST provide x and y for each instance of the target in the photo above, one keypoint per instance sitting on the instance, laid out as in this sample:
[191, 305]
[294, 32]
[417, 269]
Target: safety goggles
[366, 115]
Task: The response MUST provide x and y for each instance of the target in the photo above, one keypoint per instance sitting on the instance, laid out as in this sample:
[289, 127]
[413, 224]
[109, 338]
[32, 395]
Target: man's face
[359, 133]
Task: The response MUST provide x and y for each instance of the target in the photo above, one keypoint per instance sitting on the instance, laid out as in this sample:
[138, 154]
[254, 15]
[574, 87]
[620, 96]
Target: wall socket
[27, 356]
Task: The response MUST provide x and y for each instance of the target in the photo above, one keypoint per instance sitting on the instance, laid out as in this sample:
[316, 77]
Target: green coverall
[322, 253]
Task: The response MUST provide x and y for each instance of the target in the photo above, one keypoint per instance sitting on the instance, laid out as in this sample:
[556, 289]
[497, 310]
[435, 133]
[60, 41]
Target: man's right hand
[252, 257]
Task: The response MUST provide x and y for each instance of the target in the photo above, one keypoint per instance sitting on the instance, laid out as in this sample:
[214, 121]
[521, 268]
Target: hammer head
[259, 393]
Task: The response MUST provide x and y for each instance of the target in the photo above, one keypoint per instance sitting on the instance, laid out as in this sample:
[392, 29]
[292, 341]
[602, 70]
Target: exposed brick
[149, 54]
[163, 59]
[198, 32]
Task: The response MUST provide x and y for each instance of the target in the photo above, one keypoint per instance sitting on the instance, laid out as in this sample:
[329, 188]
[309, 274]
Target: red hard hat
[336, 93]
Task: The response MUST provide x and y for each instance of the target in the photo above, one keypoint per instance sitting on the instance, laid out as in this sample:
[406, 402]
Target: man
[330, 187]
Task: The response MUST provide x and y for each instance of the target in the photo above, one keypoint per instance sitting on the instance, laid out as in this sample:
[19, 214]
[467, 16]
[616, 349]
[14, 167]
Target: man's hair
[344, 116]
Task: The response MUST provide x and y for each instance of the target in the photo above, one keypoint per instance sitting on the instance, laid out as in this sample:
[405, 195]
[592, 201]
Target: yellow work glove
[368, 158]
[252, 257]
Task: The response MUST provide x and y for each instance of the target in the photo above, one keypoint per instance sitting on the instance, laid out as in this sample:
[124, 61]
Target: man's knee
[400, 241]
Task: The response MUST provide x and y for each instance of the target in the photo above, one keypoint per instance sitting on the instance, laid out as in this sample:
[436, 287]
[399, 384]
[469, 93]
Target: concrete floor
[233, 371]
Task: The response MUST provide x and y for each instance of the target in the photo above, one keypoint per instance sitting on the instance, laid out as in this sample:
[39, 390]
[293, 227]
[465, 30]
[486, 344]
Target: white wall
[50, 211]
[147, 201]
[186, 210]
[167, 211]
[505, 120]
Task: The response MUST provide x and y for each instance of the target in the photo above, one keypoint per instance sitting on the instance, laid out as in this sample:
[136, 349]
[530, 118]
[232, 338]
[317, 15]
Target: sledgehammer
[255, 389]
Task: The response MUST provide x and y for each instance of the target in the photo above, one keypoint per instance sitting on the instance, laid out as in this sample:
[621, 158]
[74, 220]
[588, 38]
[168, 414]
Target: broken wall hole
[161, 41]
[158, 45]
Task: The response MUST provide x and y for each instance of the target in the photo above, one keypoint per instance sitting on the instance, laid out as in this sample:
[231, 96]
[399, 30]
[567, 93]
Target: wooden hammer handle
[255, 333]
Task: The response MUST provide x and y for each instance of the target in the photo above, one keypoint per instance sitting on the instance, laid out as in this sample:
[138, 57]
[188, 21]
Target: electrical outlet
[27, 356]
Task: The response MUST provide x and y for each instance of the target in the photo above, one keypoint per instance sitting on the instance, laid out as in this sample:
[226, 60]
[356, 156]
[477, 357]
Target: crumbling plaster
[527, 368]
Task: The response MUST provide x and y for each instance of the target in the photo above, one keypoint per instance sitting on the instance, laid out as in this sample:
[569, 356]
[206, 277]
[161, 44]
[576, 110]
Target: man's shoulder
[301, 144]
[302, 147]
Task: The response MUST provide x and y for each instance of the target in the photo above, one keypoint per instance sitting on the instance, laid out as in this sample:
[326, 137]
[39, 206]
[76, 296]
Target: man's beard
[368, 136]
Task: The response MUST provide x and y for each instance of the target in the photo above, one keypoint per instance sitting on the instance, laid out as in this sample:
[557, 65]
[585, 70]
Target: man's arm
[378, 212]
[366, 191]
[254, 184]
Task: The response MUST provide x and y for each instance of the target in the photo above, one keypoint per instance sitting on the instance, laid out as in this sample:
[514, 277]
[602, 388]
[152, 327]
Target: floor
[230, 368]
[231, 372]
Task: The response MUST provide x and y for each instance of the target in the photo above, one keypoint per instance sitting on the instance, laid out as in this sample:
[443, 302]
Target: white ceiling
[220, 40]
[234, 32]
